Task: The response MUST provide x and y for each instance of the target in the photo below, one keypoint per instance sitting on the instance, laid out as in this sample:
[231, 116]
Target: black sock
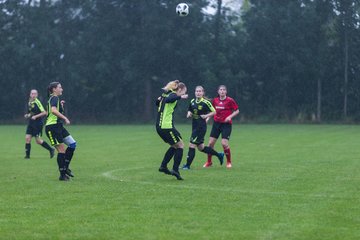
[177, 158]
[210, 151]
[167, 157]
[68, 156]
[190, 156]
[61, 163]
[46, 146]
[27, 149]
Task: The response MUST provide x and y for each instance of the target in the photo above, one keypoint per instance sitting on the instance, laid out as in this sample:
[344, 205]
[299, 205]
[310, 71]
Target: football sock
[68, 156]
[209, 151]
[227, 154]
[27, 149]
[177, 159]
[46, 146]
[61, 163]
[209, 158]
[168, 156]
[190, 156]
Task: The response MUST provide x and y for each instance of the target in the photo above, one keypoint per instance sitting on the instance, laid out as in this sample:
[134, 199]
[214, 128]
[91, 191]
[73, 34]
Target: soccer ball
[182, 9]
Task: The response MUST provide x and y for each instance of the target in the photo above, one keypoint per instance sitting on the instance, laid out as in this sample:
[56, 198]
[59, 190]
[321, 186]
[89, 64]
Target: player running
[35, 115]
[226, 109]
[200, 109]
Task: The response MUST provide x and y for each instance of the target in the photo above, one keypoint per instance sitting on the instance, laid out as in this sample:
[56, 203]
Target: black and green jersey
[200, 107]
[34, 108]
[166, 106]
[51, 119]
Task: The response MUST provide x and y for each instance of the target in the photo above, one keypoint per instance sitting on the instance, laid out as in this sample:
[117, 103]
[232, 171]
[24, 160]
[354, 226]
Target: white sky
[233, 4]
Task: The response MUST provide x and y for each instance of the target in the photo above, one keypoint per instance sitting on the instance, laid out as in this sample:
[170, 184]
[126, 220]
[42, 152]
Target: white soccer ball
[182, 9]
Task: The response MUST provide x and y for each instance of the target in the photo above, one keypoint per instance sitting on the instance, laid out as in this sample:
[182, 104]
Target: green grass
[287, 182]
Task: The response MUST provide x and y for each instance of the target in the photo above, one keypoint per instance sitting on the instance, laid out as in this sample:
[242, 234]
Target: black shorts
[34, 129]
[197, 135]
[170, 136]
[56, 133]
[223, 128]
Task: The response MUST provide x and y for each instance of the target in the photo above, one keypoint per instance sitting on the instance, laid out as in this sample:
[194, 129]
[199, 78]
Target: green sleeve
[209, 105]
[40, 106]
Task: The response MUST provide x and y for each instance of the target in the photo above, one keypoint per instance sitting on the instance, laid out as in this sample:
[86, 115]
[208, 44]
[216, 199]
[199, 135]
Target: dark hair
[181, 85]
[51, 86]
[222, 86]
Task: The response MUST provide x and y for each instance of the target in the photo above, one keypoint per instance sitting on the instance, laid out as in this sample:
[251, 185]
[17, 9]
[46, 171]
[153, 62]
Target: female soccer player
[56, 132]
[200, 109]
[35, 115]
[226, 109]
[166, 104]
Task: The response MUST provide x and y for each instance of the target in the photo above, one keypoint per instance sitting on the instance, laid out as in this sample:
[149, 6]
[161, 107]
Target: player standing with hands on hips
[166, 104]
[226, 108]
[56, 132]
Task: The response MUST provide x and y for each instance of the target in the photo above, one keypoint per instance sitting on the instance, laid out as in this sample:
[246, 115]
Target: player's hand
[189, 115]
[67, 122]
[33, 118]
[184, 96]
[204, 116]
[228, 119]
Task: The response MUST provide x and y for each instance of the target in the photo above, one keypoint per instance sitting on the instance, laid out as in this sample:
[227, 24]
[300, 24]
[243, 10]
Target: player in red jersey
[226, 108]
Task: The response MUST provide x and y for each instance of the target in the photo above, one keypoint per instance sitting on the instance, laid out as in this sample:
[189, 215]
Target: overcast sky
[233, 4]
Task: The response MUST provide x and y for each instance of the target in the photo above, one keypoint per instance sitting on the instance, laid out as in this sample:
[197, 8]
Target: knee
[70, 142]
[191, 145]
[212, 142]
[179, 145]
[60, 148]
[225, 144]
[72, 145]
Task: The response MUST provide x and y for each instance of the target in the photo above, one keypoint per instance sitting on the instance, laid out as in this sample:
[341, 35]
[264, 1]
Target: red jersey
[224, 108]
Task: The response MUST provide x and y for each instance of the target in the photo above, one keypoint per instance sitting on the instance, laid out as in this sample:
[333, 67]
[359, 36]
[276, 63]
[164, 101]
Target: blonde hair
[173, 85]
[203, 89]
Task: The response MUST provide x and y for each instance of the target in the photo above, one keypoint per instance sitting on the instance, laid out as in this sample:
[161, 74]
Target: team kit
[222, 109]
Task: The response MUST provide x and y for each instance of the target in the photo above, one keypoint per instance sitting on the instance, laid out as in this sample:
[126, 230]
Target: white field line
[181, 185]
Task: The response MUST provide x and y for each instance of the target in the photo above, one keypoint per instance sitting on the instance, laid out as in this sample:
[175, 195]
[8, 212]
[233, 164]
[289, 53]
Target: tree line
[282, 60]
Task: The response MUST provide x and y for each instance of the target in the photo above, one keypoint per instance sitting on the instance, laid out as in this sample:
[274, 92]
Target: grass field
[287, 182]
